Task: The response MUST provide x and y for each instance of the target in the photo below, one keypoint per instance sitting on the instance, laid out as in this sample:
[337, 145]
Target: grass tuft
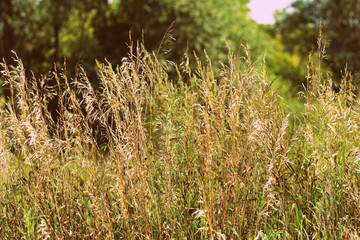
[201, 156]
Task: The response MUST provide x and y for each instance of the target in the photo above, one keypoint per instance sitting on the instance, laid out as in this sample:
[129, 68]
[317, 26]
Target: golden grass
[197, 157]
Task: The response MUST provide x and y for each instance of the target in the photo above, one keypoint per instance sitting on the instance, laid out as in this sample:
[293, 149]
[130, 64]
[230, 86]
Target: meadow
[205, 154]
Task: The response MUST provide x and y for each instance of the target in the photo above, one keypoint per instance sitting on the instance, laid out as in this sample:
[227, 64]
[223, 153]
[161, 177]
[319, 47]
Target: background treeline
[44, 32]
[340, 21]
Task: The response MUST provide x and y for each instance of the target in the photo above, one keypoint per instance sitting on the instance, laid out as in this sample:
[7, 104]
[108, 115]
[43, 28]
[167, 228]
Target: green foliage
[285, 68]
[21, 30]
[196, 25]
[39, 31]
[339, 19]
[45, 31]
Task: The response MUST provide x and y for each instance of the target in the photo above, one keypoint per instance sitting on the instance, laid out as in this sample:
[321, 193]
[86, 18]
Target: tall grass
[196, 157]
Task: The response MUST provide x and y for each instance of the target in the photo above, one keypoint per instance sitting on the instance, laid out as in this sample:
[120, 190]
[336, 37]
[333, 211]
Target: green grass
[195, 157]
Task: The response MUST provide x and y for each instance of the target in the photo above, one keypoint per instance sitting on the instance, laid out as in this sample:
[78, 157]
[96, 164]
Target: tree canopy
[340, 20]
[45, 31]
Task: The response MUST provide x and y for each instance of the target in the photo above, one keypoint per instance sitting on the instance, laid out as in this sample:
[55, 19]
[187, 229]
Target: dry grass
[147, 157]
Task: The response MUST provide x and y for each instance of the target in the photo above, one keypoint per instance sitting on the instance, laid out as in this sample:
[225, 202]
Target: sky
[263, 10]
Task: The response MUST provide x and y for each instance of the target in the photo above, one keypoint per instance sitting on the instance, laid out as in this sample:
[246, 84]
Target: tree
[45, 31]
[198, 25]
[20, 23]
[341, 31]
[7, 33]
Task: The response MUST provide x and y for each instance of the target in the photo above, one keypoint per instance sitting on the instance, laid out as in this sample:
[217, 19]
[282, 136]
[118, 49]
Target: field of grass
[195, 157]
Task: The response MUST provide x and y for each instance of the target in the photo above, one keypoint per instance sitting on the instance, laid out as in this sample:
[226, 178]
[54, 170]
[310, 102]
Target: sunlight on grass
[197, 156]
